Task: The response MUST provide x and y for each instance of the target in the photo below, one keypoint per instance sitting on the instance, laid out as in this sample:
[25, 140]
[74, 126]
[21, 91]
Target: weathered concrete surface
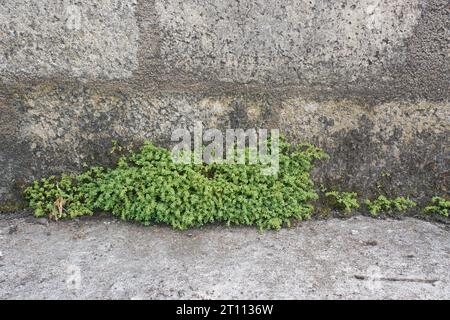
[99, 258]
[393, 148]
[397, 147]
[283, 41]
[368, 80]
[372, 47]
[84, 39]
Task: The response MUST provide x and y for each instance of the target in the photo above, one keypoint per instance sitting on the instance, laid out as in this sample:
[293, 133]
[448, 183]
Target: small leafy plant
[384, 204]
[56, 198]
[148, 187]
[439, 206]
[345, 201]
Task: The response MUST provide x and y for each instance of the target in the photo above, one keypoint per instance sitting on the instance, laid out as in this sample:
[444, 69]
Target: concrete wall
[367, 80]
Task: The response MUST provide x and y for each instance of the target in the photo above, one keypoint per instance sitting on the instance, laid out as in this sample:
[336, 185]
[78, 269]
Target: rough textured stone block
[367, 80]
[86, 39]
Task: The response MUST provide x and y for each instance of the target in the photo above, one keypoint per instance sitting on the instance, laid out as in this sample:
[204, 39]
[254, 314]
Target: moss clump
[148, 187]
[11, 206]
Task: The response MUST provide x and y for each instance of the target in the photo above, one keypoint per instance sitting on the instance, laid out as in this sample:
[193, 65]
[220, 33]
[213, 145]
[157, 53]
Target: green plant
[438, 205]
[383, 204]
[148, 187]
[56, 198]
[345, 201]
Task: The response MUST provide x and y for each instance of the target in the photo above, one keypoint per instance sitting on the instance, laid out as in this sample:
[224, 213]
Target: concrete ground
[335, 259]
